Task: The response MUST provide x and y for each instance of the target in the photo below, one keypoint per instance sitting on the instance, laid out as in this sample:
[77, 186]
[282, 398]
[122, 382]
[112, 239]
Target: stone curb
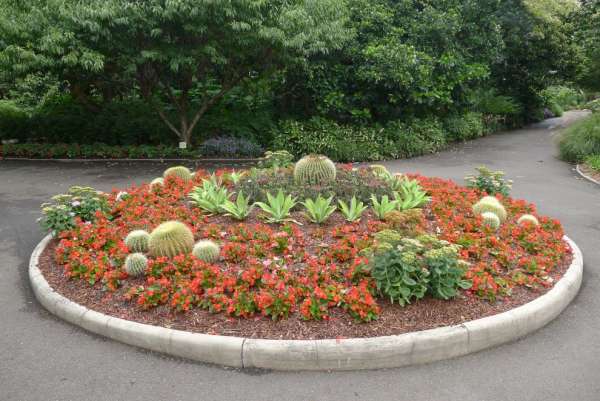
[587, 177]
[344, 354]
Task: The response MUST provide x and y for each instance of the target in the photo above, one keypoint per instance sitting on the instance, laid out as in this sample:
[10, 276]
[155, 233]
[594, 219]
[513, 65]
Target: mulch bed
[590, 172]
[425, 314]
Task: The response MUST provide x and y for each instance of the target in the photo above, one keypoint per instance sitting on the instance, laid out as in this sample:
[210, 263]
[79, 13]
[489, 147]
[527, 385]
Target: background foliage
[354, 79]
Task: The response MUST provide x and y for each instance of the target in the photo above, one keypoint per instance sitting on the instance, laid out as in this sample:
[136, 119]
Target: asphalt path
[43, 358]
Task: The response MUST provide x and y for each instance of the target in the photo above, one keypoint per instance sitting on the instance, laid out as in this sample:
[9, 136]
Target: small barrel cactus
[179, 171]
[490, 204]
[528, 218]
[491, 220]
[157, 182]
[137, 241]
[171, 239]
[135, 264]
[207, 251]
[380, 170]
[314, 169]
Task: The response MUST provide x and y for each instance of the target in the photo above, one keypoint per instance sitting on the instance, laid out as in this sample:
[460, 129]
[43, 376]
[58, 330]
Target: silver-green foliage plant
[490, 182]
[278, 207]
[137, 241]
[181, 172]
[383, 206]
[319, 209]
[170, 239]
[410, 195]
[353, 211]
[207, 251]
[240, 209]
[490, 204]
[315, 170]
[135, 264]
[82, 202]
[211, 196]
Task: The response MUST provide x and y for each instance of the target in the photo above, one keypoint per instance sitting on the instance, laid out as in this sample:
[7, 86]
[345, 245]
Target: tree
[181, 56]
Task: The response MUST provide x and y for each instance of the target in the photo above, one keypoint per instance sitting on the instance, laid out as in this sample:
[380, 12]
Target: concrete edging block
[331, 354]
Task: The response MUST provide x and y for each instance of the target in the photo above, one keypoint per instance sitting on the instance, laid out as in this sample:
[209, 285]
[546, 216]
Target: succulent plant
[179, 171]
[207, 251]
[170, 239]
[391, 237]
[137, 241]
[380, 170]
[135, 264]
[491, 220]
[157, 181]
[528, 218]
[490, 204]
[315, 169]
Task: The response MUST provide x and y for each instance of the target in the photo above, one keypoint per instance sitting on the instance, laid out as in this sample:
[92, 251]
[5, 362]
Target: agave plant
[352, 211]
[383, 206]
[410, 195]
[277, 207]
[239, 210]
[210, 196]
[319, 209]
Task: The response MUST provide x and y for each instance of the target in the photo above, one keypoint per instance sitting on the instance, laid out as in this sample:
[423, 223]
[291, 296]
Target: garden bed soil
[590, 172]
[424, 314]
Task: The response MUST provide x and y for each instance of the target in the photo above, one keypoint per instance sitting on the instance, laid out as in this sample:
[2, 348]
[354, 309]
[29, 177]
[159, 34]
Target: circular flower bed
[270, 246]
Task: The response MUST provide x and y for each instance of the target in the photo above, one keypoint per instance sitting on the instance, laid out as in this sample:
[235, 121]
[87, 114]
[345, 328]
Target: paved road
[43, 358]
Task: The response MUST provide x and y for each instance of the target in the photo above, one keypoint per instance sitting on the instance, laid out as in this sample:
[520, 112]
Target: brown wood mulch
[425, 314]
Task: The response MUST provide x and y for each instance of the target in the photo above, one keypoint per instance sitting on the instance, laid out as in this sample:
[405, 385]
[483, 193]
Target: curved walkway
[43, 358]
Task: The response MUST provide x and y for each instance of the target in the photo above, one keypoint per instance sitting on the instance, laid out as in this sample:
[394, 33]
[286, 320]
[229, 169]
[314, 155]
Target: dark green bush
[13, 121]
[414, 138]
[322, 136]
[465, 126]
[581, 139]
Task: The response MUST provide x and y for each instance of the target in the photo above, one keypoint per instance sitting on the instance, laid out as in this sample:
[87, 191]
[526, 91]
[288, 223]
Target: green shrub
[490, 182]
[593, 162]
[580, 140]
[466, 126]
[80, 202]
[414, 138]
[593, 105]
[13, 121]
[559, 97]
[321, 136]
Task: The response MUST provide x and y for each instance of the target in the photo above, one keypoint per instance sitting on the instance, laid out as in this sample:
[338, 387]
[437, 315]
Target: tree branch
[209, 102]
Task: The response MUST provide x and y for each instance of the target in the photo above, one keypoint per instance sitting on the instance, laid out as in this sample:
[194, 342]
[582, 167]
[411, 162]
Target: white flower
[71, 214]
[75, 203]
